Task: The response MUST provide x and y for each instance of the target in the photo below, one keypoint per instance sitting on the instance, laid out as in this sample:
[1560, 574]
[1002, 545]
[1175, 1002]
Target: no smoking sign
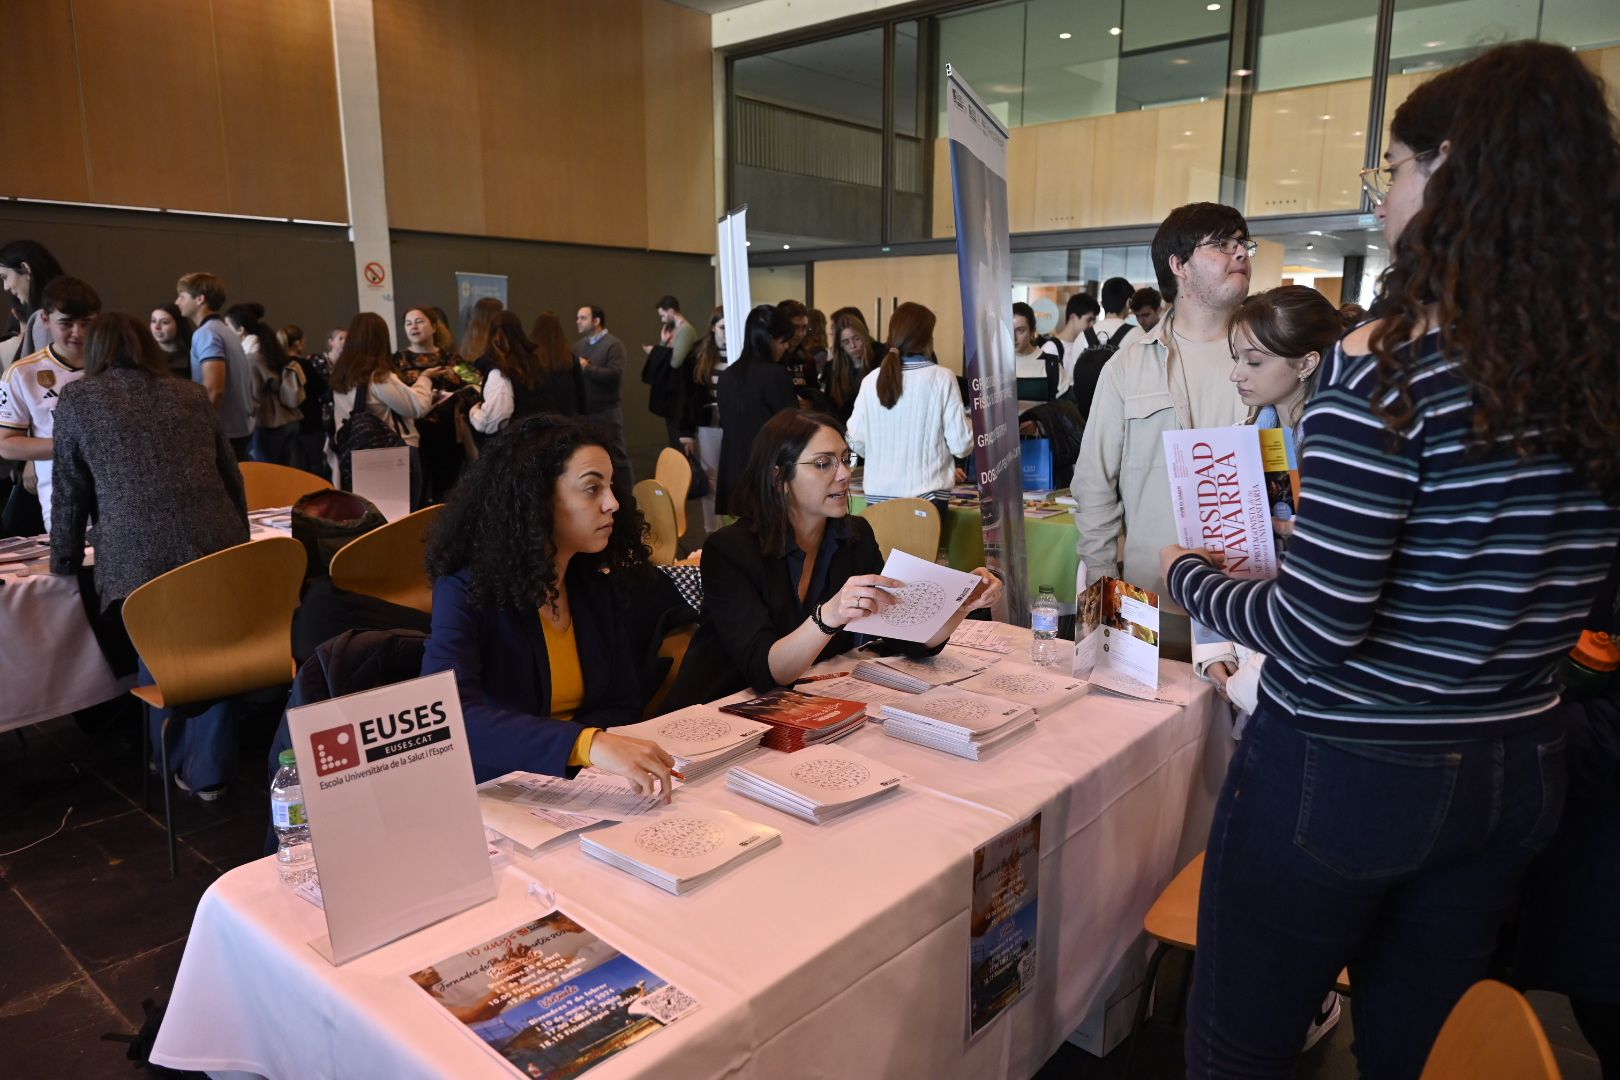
[375, 275]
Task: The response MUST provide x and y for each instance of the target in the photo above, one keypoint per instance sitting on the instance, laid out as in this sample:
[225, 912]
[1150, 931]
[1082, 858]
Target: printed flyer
[1003, 946]
[552, 998]
[1116, 634]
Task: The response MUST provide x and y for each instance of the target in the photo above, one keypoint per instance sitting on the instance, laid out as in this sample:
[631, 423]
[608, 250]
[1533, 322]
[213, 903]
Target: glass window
[807, 130]
[912, 149]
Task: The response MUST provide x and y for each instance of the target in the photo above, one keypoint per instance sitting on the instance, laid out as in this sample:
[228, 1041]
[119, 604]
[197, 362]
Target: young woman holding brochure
[526, 613]
[781, 583]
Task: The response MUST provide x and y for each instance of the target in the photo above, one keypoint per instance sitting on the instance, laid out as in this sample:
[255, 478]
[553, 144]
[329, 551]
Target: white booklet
[818, 783]
[1219, 498]
[952, 664]
[930, 596]
[1043, 689]
[699, 736]
[681, 847]
[959, 713]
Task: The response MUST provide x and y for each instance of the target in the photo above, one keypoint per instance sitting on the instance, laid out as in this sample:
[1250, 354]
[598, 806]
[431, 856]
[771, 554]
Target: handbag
[363, 430]
[700, 477]
[324, 521]
[1037, 457]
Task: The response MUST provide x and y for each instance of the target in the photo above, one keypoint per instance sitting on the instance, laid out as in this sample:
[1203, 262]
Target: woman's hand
[1281, 527]
[642, 762]
[1218, 673]
[432, 372]
[1168, 557]
[861, 595]
[987, 592]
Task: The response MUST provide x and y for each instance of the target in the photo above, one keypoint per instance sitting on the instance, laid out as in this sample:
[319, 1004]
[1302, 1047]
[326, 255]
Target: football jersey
[28, 397]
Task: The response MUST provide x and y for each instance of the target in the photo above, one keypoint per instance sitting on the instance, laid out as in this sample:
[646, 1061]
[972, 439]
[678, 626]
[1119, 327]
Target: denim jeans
[1400, 861]
[274, 445]
[202, 745]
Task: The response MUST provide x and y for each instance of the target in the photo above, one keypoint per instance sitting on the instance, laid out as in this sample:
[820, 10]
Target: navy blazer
[504, 675]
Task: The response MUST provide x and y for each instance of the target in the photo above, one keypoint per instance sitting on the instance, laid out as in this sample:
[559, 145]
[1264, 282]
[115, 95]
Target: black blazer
[504, 675]
[749, 604]
[751, 392]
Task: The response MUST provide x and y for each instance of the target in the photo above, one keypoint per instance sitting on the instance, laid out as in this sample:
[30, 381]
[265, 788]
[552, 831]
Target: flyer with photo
[551, 998]
[1003, 945]
[1117, 638]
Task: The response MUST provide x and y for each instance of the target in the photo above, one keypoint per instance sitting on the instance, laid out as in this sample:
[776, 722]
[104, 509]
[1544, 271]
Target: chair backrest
[656, 505]
[220, 625]
[271, 486]
[673, 647]
[912, 525]
[1492, 1031]
[387, 562]
[674, 471]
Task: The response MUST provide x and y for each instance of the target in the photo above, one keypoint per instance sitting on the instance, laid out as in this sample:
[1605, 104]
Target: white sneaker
[212, 794]
[1326, 1019]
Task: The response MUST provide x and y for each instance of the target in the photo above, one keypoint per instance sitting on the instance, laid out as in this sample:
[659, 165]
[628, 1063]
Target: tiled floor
[91, 925]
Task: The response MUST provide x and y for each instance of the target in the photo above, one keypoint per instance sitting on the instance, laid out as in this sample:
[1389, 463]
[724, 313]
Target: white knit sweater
[909, 448]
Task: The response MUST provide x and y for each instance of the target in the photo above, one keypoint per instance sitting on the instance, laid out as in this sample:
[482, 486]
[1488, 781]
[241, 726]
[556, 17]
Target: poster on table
[984, 266]
[471, 288]
[552, 998]
[383, 476]
[736, 294]
[1004, 925]
[393, 813]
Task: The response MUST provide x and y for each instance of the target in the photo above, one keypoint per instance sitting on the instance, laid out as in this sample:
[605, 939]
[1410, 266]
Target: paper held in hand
[930, 596]
[1218, 493]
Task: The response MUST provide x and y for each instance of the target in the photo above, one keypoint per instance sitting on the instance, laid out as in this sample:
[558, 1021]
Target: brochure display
[1117, 638]
[551, 998]
[957, 721]
[682, 847]
[818, 784]
[1004, 928]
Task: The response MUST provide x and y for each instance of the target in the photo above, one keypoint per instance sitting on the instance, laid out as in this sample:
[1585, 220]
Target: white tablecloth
[841, 954]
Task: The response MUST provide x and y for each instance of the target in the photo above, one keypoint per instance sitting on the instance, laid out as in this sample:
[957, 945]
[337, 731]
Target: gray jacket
[143, 455]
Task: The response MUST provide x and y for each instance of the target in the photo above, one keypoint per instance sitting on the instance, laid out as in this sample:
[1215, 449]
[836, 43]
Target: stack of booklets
[701, 738]
[799, 720]
[681, 847]
[1044, 689]
[818, 784]
[957, 721]
[952, 664]
[532, 810]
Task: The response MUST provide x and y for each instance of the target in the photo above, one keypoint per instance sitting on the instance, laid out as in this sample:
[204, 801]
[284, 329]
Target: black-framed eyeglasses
[1231, 245]
[829, 462]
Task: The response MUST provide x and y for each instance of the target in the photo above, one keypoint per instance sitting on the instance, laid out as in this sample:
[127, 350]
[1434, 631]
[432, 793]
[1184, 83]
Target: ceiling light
[1372, 247]
[1243, 73]
[1356, 133]
[1065, 36]
[1212, 7]
[1181, 60]
[1327, 116]
[1186, 133]
[787, 247]
[1310, 247]
[1433, 44]
[1114, 30]
[748, 243]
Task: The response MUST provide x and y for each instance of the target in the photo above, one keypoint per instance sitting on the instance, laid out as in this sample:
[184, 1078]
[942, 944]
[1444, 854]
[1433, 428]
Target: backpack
[363, 430]
[1088, 368]
[290, 393]
[1054, 360]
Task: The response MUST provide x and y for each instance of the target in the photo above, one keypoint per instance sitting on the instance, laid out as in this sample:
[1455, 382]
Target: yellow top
[567, 684]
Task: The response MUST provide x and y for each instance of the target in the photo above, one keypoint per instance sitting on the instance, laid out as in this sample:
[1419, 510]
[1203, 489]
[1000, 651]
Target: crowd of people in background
[1403, 755]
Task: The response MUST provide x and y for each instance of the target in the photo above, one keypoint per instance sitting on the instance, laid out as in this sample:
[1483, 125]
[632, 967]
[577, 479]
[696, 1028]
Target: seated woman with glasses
[780, 584]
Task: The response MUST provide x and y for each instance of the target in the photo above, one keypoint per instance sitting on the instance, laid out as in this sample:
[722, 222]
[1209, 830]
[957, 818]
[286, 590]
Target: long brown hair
[709, 354]
[122, 341]
[551, 351]
[911, 333]
[475, 339]
[513, 351]
[1529, 188]
[760, 499]
[842, 382]
[365, 356]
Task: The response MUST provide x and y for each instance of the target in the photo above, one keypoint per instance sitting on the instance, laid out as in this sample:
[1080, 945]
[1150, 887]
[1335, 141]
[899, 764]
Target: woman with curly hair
[1458, 511]
[524, 560]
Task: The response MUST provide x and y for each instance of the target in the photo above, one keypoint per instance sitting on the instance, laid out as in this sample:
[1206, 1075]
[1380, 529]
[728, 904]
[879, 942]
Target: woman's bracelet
[815, 617]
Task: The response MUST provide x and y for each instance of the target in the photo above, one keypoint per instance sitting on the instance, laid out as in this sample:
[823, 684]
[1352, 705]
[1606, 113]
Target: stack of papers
[1043, 689]
[846, 687]
[701, 738]
[532, 810]
[24, 549]
[953, 664]
[799, 720]
[957, 721]
[682, 847]
[818, 784]
[981, 635]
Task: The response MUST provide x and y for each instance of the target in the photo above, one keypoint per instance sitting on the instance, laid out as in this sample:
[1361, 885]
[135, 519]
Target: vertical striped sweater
[1429, 590]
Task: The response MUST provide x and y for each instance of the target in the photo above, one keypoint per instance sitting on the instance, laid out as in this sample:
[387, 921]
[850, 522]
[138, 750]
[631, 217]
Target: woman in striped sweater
[1458, 512]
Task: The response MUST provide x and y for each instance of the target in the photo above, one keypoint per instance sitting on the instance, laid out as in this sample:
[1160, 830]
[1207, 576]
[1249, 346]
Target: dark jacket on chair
[751, 602]
[504, 675]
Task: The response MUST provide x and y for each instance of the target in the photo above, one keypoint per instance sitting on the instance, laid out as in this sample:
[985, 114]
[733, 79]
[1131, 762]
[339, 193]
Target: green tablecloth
[1049, 544]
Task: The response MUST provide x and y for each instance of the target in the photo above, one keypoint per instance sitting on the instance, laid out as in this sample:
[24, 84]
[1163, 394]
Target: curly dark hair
[498, 523]
[1529, 189]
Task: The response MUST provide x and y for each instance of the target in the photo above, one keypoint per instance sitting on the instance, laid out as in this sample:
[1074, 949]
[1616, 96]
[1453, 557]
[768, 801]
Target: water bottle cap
[1596, 651]
[288, 758]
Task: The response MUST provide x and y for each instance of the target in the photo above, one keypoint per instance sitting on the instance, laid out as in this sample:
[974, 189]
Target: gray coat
[143, 455]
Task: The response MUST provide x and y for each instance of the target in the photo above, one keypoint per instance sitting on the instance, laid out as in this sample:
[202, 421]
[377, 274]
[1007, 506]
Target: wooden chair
[674, 471]
[270, 486]
[1172, 921]
[387, 562]
[214, 628]
[912, 525]
[658, 508]
[1492, 1031]
[674, 646]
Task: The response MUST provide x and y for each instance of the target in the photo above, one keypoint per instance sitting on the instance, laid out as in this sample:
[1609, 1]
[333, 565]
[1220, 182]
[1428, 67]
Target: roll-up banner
[735, 294]
[984, 264]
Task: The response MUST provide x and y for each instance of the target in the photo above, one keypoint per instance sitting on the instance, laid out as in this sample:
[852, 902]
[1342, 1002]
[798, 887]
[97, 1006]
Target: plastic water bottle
[295, 857]
[1046, 649]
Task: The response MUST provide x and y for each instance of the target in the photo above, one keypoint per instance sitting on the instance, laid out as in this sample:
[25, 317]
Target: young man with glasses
[1170, 378]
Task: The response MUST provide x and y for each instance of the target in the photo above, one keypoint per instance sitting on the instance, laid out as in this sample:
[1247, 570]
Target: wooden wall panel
[430, 116]
[278, 94]
[1122, 168]
[151, 104]
[675, 42]
[1285, 150]
[930, 280]
[41, 125]
[1187, 155]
